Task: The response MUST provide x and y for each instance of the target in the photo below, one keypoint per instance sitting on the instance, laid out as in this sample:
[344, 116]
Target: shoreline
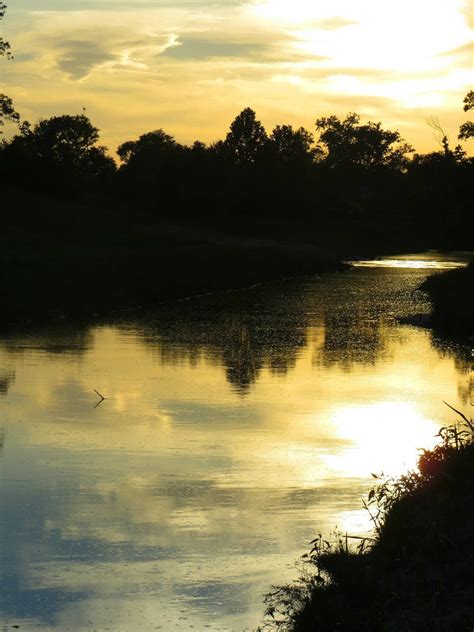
[452, 297]
[22, 309]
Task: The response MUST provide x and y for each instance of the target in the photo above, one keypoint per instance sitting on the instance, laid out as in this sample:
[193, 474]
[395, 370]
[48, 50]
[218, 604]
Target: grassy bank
[416, 574]
[65, 259]
[453, 301]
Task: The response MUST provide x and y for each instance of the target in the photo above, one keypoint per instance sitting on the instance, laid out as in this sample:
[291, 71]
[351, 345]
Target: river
[235, 427]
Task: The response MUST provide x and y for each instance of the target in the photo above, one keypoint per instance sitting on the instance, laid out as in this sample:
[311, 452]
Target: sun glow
[406, 37]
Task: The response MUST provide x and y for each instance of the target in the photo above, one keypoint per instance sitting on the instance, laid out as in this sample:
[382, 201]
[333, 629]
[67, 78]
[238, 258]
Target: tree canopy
[60, 154]
[150, 146]
[246, 138]
[5, 48]
[349, 143]
[292, 146]
[7, 111]
[466, 130]
[65, 135]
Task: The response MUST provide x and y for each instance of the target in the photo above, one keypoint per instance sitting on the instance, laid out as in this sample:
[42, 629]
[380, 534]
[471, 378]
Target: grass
[414, 574]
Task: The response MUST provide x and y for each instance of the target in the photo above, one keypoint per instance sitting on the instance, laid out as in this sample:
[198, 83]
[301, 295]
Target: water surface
[235, 427]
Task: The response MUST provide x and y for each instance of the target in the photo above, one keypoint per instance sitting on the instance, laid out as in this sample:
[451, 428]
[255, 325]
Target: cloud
[78, 57]
[333, 24]
[468, 13]
[69, 41]
[464, 51]
[201, 48]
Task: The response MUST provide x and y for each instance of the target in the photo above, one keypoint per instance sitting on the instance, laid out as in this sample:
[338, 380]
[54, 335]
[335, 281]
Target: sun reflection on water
[385, 437]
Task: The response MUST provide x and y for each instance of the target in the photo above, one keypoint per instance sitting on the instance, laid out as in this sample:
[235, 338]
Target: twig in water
[101, 398]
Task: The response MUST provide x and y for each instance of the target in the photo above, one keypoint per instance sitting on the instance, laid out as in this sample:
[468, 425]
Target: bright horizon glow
[191, 68]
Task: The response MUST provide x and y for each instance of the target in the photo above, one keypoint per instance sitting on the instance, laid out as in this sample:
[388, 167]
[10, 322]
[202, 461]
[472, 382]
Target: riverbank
[69, 260]
[416, 573]
[82, 260]
[452, 297]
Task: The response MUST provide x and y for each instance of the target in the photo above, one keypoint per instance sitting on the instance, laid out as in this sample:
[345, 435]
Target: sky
[190, 67]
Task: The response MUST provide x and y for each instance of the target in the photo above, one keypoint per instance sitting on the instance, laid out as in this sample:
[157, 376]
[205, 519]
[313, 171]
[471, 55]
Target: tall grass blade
[468, 421]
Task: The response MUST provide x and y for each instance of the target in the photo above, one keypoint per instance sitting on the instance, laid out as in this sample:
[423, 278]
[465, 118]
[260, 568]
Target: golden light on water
[385, 436]
[191, 489]
[416, 264]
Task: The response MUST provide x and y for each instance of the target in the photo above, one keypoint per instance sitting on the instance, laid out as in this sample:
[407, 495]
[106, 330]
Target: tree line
[349, 173]
[348, 176]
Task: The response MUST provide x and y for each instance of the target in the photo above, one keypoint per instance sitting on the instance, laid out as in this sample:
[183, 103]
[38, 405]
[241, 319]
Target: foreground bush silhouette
[416, 572]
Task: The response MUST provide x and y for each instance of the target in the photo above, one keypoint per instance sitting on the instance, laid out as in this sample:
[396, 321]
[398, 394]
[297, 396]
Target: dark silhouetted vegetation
[354, 185]
[7, 111]
[173, 219]
[5, 48]
[414, 574]
[80, 260]
[58, 155]
[452, 297]
[466, 130]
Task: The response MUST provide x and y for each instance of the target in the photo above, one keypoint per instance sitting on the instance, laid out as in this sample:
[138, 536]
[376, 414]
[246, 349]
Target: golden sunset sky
[191, 67]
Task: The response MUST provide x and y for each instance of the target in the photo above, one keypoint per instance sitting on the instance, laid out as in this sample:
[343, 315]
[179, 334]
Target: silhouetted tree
[466, 130]
[455, 154]
[369, 146]
[156, 169]
[439, 192]
[293, 147]
[246, 138]
[60, 153]
[5, 48]
[7, 111]
[152, 146]
[199, 148]
[66, 137]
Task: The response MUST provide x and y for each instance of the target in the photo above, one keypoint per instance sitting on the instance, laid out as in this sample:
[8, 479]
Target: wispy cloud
[333, 24]
[77, 57]
[194, 48]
